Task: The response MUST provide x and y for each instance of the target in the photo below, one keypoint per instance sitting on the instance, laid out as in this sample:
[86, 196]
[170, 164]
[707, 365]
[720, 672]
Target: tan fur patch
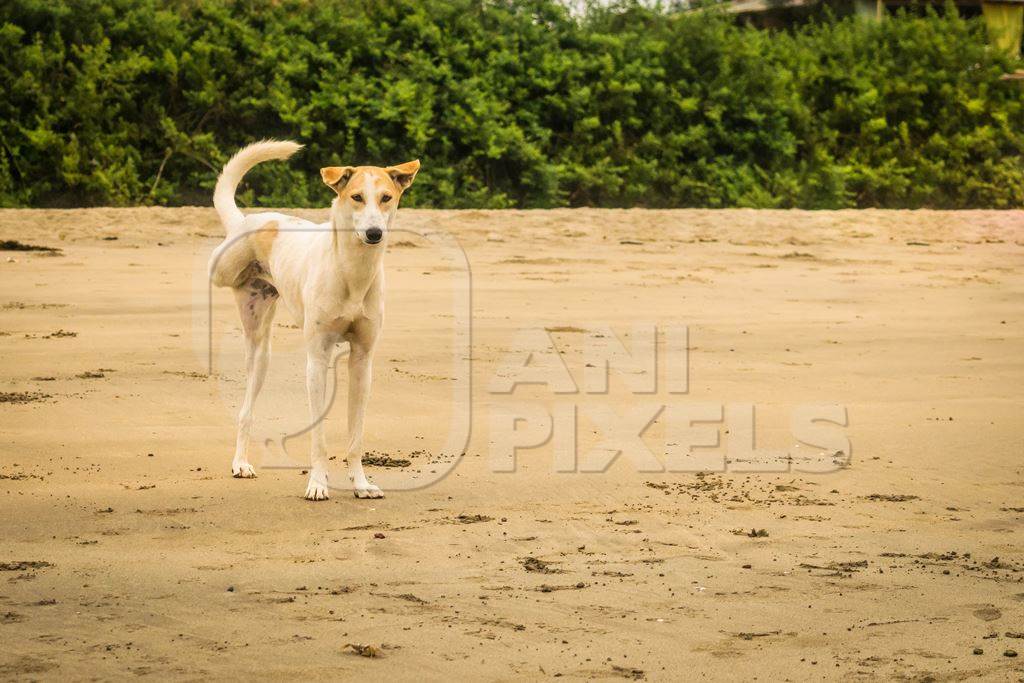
[332, 175]
[357, 184]
[403, 174]
[263, 240]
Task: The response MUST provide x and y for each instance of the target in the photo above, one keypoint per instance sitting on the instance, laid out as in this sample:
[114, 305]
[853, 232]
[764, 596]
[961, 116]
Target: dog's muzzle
[374, 235]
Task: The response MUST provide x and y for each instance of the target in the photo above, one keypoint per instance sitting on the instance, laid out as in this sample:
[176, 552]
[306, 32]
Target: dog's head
[368, 196]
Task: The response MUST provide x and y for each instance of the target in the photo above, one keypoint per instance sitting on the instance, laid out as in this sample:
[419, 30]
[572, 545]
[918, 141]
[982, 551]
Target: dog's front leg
[318, 352]
[360, 367]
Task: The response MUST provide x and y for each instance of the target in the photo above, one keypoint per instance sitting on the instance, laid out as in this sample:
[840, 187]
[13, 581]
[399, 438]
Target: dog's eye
[385, 198]
[357, 198]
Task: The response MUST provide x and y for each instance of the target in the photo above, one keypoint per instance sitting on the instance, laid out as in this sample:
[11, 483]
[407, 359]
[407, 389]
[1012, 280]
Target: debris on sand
[61, 334]
[364, 650]
[190, 374]
[538, 566]
[717, 489]
[20, 397]
[994, 563]
[892, 497]
[750, 635]
[160, 512]
[753, 533]
[547, 588]
[628, 672]
[994, 569]
[10, 618]
[988, 613]
[381, 460]
[473, 519]
[15, 245]
[19, 476]
[21, 306]
[280, 600]
[23, 565]
[838, 568]
[503, 623]
[89, 374]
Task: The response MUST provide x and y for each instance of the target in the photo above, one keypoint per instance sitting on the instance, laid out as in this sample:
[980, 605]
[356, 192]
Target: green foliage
[508, 103]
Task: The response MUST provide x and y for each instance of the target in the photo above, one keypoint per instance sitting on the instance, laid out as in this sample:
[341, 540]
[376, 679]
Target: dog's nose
[374, 235]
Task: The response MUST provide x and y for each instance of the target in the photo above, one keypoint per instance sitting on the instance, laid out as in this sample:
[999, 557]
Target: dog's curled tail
[238, 166]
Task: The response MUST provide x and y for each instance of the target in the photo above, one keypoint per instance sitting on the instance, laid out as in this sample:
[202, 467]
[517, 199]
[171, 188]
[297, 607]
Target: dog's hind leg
[256, 301]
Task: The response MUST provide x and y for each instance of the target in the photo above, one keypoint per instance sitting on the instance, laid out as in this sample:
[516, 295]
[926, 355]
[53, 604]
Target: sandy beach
[126, 548]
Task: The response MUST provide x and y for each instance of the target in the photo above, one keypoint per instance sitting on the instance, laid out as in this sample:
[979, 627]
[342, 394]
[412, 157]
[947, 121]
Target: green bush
[508, 103]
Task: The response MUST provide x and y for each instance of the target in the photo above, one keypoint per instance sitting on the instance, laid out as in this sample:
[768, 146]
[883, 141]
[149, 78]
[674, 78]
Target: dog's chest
[339, 314]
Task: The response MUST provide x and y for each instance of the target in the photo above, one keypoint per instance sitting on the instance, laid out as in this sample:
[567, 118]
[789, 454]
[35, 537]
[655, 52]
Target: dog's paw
[317, 487]
[368, 490]
[242, 470]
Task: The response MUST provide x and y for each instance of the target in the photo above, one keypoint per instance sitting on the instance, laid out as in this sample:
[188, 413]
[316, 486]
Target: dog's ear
[336, 176]
[404, 174]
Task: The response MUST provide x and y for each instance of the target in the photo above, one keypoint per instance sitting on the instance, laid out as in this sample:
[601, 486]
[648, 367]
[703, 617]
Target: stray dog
[331, 278]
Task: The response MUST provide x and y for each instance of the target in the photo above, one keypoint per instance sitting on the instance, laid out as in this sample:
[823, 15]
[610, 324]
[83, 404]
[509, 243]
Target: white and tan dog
[330, 276]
